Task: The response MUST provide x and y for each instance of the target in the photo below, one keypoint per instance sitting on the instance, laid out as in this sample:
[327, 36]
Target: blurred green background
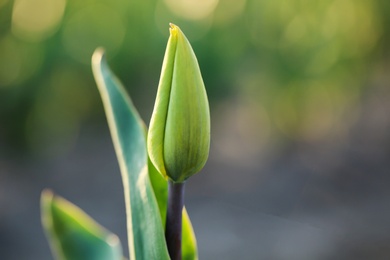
[299, 95]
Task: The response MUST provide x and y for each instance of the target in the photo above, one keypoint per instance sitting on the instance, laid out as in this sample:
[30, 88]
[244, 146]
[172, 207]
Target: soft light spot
[318, 112]
[3, 2]
[19, 60]
[10, 62]
[192, 10]
[295, 30]
[96, 25]
[53, 124]
[242, 131]
[228, 10]
[198, 30]
[323, 60]
[35, 20]
[285, 113]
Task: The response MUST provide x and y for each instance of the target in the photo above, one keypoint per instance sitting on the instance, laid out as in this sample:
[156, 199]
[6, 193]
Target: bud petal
[179, 132]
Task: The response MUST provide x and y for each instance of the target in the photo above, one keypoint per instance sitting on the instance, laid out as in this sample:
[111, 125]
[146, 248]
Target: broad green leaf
[160, 187]
[144, 225]
[73, 235]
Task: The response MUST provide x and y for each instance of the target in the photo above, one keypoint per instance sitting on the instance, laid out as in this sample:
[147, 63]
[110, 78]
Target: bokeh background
[299, 91]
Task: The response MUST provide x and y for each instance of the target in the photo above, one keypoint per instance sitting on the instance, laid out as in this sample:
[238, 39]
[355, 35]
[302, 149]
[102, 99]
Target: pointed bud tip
[47, 195]
[173, 29]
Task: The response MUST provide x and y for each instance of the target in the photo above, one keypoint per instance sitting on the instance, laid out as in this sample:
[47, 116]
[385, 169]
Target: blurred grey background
[299, 91]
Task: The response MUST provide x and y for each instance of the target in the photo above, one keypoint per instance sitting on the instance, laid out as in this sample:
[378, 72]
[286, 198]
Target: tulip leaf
[73, 235]
[144, 226]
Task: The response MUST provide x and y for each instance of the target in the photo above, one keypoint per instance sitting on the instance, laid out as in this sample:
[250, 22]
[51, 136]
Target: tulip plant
[154, 164]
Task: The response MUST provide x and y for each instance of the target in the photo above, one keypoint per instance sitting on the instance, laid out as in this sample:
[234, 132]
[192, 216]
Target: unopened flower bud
[179, 131]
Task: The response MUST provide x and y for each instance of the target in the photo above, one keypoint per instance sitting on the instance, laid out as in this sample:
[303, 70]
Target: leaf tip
[98, 56]
[47, 196]
[113, 240]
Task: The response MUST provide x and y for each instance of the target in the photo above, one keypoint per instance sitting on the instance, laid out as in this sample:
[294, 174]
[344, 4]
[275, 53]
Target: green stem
[174, 219]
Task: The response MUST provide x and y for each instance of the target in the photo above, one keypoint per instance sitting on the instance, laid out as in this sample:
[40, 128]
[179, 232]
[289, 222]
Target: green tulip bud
[179, 131]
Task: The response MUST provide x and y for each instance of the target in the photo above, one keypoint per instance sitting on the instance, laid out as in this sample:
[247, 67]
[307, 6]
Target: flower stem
[174, 219]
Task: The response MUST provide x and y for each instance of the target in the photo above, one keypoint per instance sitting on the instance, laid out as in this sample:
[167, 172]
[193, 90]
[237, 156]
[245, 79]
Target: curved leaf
[73, 235]
[145, 228]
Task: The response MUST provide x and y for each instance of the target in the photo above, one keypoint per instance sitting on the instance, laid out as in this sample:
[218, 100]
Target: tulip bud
[179, 131]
